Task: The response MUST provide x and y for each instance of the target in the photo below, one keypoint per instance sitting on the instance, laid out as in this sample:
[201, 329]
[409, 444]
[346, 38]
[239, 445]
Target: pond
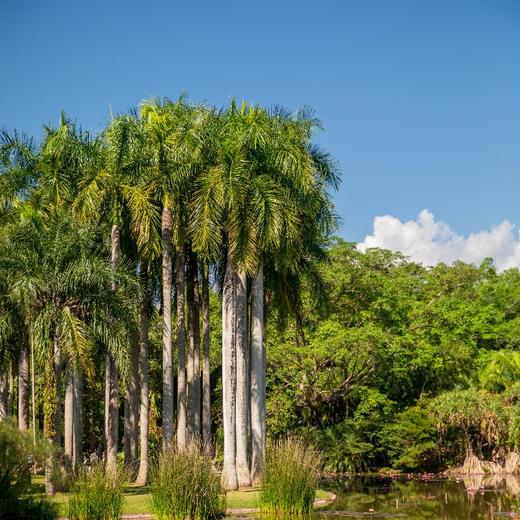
[425, 497]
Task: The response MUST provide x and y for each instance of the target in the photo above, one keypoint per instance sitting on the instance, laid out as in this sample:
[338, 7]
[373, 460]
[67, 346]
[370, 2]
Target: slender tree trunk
[132, 407]
[257, 377]
[181, 345]
[52, 416]
[69, 415]
[243, 402]
[77, 432]
[194, 396]
[206, 387]
[229, 381]
[10, 391]
[112, 377]
[3, 397]
[142, 477]
[167, 397]
[23, 388]
[33, 391]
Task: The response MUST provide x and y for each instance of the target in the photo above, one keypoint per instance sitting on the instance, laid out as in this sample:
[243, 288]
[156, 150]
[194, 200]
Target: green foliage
[410, 439]
[290, 477]
[342, 449]
[18, 454]
[185, 486]
[97, 495]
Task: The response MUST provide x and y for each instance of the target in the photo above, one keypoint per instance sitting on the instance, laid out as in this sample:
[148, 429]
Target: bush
[97, 494]
[18, 453]
[185, 486]
[410, 440]
[290, 477]
[342, 448]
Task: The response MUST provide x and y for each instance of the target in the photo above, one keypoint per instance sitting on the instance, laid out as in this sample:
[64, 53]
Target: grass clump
[97, 494]
[290, 478]
[18, 454]
[184, 486]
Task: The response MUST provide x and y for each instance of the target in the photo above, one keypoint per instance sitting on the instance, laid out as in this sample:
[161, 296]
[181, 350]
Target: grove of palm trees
[138, 267]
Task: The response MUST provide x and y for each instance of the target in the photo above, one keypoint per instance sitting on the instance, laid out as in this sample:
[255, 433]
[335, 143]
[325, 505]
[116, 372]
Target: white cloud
[430, 241]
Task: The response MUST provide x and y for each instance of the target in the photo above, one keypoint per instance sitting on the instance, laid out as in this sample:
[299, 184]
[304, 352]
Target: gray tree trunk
[181, 345]
[132, 407]
[142, 477]
[10, 391]
[242, 388]
[229, 381]
[23, 388]
[257, 377]
[167, 396]
[3, 396]
[206, 373]
[69, 415]
[77, 452]
[194, 394]
[112, 378]
[53, 417]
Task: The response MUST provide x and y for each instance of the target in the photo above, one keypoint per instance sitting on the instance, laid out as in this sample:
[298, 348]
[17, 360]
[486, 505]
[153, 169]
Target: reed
[290, 478]
[184, 486]
[97, 494]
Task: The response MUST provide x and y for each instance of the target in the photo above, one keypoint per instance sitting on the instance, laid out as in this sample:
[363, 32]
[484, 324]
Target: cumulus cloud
[431, 241]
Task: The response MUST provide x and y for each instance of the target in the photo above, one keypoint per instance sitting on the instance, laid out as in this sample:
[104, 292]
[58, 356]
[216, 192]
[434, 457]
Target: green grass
[137, 499]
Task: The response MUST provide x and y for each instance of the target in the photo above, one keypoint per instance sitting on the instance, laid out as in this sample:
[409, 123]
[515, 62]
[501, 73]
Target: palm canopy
[265, 191]
[59, 280]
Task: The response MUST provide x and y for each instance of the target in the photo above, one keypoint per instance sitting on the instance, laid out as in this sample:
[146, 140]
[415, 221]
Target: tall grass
[185, 486]
[97, 494]
[290, 478]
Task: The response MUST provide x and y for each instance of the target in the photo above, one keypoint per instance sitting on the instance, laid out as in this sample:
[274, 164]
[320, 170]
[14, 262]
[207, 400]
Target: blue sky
[420, 99]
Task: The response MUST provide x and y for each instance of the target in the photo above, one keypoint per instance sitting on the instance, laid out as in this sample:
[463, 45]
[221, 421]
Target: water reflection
[430, 497]
[475, 497]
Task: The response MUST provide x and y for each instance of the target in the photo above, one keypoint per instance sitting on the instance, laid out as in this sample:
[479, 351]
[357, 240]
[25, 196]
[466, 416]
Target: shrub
[410, 440]
[18, 453]
[342, 448]
[185, 486]
[97, 494]
[290, 477]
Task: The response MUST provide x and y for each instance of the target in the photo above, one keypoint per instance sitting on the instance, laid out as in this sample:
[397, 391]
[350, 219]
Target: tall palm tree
[63, 284]
[111, 192]
[173, 130]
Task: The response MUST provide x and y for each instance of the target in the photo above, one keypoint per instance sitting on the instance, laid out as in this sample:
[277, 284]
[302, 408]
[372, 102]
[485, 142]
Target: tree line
[109, 241]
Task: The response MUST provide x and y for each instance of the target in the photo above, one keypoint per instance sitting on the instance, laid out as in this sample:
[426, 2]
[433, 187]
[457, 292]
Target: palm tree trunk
[112, 377]
[132, 407]
[229, 472]
[167, 396]
[242, 388]
[142, 477]
[206, 387]
[52, 416]
[257, 376]
[23, 388]
[193, 297]
[10, 391]
[3, 397]
[69, 415]
[77, 452]
[181, 345]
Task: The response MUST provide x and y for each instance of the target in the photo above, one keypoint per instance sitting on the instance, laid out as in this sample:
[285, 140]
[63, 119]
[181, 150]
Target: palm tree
[173, 130]
[111, 191]
[253, 202]
[63, 284]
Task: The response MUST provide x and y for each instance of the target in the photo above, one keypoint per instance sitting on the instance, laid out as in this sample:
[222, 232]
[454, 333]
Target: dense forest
[177, 278]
